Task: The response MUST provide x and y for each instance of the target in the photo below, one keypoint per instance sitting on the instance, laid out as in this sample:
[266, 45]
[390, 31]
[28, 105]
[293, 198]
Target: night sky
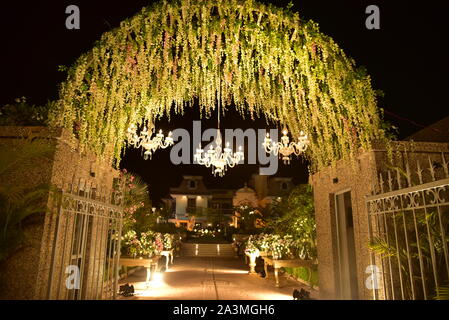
[407, 59]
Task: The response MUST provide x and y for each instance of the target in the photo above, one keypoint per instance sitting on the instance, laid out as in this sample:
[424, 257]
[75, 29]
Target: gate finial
[390, 181]
[419, 171]
[445, 165]
[431, 169]
[381, 183]
[408, 174]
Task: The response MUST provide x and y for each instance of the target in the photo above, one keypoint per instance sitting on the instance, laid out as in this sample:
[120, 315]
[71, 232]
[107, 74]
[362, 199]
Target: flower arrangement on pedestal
[168, 241]
[281, 247]
[264, 242]
[251, 248]
[149, 244]
[252, 252]
[277, 246]
[131, 244]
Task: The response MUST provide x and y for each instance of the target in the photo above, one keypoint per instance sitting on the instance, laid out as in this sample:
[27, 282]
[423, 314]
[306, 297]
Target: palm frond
[18, 202]
[23, 153]
[381, 247]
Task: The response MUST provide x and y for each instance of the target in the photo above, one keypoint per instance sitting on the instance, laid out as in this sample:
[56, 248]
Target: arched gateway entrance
[258, 58]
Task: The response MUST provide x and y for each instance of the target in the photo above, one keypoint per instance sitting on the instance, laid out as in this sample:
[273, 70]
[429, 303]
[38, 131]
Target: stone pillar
[28, 273]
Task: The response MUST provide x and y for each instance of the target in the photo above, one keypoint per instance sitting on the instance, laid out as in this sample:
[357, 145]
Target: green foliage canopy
[256, 57]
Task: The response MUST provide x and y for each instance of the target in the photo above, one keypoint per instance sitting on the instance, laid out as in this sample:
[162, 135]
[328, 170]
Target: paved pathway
[193, 278]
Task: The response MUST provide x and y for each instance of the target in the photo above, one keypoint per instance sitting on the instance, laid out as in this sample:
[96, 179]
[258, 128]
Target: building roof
[184, 189]
[178, 191]
[437, 132]
[245, 189]
[222, 192]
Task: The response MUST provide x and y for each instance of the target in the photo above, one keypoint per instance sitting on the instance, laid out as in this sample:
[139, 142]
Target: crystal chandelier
[147, 142]
[217, 158]
[285, 148]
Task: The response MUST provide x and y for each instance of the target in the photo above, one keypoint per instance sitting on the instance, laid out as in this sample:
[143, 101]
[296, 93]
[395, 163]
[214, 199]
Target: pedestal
[252, 263]
[277, 264]
[168, 254]
[149, 264]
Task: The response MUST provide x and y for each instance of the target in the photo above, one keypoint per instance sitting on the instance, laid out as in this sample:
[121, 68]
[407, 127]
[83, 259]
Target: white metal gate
[86, 246]
[409, 229]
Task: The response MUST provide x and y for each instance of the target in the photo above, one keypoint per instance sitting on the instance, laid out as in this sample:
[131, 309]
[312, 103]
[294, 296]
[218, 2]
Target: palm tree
[19, 202]
[389, 249]
[136, 202]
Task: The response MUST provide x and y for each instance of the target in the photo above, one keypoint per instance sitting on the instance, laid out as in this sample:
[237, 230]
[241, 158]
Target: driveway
[210, 278]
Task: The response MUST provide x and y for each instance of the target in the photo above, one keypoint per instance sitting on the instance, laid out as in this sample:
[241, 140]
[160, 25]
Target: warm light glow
[230, 271]
[219, 159]
[285, 148]
[274, 296]
[159, 289]
[254, 254]
[145, 140]
[158, 279]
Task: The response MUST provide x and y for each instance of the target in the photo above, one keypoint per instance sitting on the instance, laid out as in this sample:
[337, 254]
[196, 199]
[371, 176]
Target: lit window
[192, 184]
[191, 203]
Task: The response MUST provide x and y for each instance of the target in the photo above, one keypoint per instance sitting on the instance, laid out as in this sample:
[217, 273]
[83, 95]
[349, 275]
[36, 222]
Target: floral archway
[265, 60]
